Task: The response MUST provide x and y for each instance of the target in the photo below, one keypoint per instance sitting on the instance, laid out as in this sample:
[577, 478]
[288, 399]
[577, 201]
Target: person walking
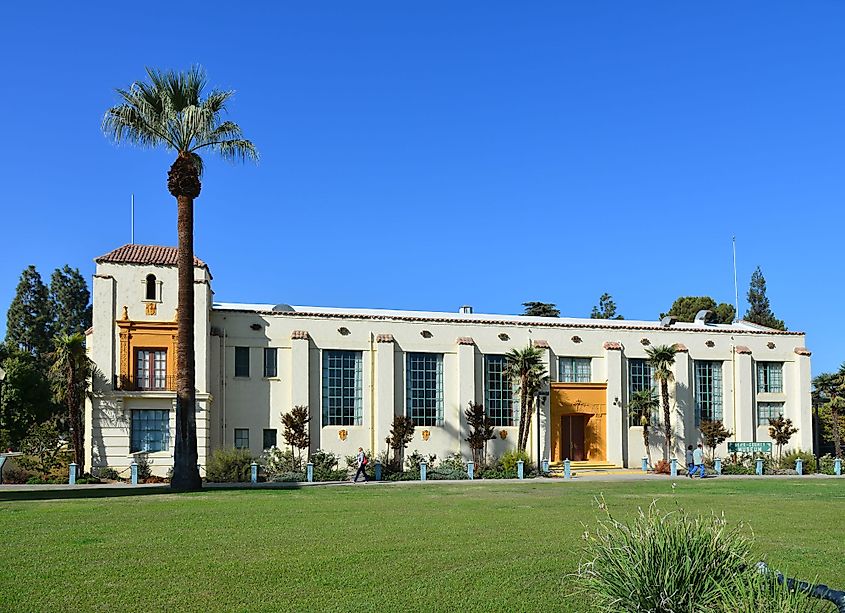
[362, 464]
[690, 462]
[698, 460]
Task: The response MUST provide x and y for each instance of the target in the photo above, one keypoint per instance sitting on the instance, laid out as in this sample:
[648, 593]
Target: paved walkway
[106, 489]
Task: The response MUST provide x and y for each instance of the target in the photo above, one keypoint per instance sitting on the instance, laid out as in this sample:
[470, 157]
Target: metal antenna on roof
[736, 290]
[133, 219]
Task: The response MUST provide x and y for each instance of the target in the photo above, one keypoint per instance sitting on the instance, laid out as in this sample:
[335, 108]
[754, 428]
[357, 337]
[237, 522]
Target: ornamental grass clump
[662, 562]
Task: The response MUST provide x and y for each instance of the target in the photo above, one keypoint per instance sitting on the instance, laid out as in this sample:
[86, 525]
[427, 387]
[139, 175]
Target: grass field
[436, 547]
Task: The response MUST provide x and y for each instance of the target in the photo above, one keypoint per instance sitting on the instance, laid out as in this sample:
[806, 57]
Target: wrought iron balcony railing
[135, 384]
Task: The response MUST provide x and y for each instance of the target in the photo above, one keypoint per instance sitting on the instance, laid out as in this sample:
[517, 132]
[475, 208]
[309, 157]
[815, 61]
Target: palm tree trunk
[646, 445]
[185, 473]
[667, 426]
[523, 399]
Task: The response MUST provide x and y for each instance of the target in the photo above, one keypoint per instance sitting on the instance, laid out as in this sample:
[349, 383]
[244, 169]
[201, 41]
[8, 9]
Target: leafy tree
[481, 430]
[662, 358]
[541, 309]
[25, 397]
[401, 433]
[759, 311]
[606, 309]
[526, 369]
[781, 430]
[296, 430]
[829, 392]
[641, 407]
[714, 434]
[173, 111]
[70, 301]
[43, 448]
[685, 308]
[70, 374]
[29, 320]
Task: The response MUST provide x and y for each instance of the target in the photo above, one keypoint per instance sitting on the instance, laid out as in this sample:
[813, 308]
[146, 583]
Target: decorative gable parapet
[743, 350]
[384, 338]
[803, 351]
[612, 346]
[465, 340]
[681, 348]
[299, 335]
[541, 344]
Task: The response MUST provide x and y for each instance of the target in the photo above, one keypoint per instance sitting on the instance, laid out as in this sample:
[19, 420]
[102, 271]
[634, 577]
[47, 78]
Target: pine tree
[759, 311]
[29, 320]
[606, 308]
[540, 309]
[25, 397]
[685, 308]
[70, 301]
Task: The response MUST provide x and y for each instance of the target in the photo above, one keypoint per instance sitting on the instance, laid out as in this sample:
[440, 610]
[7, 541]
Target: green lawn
[435, 547]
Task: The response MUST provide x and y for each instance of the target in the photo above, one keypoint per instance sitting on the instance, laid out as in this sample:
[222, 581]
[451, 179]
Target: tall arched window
[151, 287]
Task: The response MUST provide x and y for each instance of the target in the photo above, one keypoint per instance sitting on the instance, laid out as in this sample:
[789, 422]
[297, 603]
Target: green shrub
[322, 474]
[453, 461]
[144, 470]
[289, 477]
[324, 461]
[788, 460]
[826, 464]
[107, 473]
[229, 465]
[510, 458]
[15, 474]
[415, 459]
[443, 474]
[496, 473]
[88, 479]
[736, 469]
[661, 561]
[278, 461]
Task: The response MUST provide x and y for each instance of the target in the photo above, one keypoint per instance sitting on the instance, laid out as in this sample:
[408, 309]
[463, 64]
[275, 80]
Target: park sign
[748, 447]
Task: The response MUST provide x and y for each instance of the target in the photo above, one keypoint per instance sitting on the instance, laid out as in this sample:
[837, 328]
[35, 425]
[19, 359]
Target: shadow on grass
[123, 491]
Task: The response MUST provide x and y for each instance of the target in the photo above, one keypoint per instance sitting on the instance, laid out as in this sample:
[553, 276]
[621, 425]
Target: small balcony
[156, 384]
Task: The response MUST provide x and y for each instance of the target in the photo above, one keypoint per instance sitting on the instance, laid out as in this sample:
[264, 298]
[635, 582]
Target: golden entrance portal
[578, 419]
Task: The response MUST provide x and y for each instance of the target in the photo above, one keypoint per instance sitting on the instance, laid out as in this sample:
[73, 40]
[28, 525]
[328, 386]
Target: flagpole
[736, 288]
[132, 219]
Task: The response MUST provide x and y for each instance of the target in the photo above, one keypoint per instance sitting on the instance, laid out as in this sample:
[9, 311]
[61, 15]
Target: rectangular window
[150, 431]
[498, 391]
[241, 361]
[425, 388]
[270, 362]
[770, 377]
[151, 369]
[342, 388]
[269, 438]
[574, 370]
[242, 438]
[708, 391]
[767, 411]
[639, 379]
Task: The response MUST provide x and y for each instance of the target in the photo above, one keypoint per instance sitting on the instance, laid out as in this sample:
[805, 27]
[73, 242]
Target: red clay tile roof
[803, 351]
[465, 340]
[144, 254]
[612, 346]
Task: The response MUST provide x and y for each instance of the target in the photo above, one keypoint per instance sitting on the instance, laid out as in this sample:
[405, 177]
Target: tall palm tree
[829, 389]
[641, 407]
[525, 368]
[662, 358]
[172, 111]
[70, 373]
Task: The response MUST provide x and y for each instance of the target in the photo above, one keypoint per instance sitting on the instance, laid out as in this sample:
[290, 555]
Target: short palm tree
[525, 368]
[70, 374]
[172, 111]
[641, 407]
[662, 358]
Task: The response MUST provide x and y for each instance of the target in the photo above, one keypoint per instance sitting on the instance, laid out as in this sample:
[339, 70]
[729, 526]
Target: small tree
[829, 396]
[296, 430]
[781, 430]
[481, 431]
[606, 308]
[43, 448]
[525, 368]
[759, 311]
[641, 407]
[714, 434]
[685, 308]
[662, 358]
[541, 309]
[401, 433]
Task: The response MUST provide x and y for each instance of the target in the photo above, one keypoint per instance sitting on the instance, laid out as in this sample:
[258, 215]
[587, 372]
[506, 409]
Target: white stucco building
[357, 368]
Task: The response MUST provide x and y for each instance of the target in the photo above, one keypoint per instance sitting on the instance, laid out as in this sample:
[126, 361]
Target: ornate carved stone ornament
[576, 339]
[426, 334]
[503, 337]
[645, 341]
[125, 313]
[343, 331]
[710, 344]
[465, 340]
[342, 434]
[150, 308]
[426, 434]
[503, 434]
[770, 345]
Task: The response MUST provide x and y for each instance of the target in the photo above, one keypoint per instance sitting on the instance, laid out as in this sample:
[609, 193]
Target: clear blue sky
[425, 155]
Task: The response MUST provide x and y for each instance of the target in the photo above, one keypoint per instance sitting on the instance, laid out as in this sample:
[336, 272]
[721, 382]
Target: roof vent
[703, 316]
[465, 310]
[668, 321]
[283, 308]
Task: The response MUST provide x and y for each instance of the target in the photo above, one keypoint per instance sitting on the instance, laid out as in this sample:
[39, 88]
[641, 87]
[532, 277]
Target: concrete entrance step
[556, 468]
